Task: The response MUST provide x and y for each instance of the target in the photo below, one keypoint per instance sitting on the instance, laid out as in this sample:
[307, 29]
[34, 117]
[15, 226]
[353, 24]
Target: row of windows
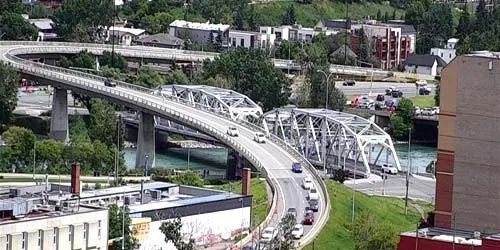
[55, 234]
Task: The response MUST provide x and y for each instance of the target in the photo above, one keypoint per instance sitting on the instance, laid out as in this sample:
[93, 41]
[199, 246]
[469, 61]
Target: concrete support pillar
[234, 165]
[59, 117]
[145, 155]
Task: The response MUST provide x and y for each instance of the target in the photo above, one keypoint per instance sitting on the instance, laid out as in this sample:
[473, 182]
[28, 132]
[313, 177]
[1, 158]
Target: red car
[308, 218]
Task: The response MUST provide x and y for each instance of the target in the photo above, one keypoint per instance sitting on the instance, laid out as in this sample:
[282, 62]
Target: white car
[269, 234]
[232, 131]
[259, 137]
[298, 231]
[436, 111]
[418, 111]
[313, 194]
[389, 169]
[307, 183]
[428, 111]
[421, 82]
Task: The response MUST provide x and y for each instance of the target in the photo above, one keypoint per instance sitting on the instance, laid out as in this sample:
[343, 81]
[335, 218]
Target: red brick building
[441, 239]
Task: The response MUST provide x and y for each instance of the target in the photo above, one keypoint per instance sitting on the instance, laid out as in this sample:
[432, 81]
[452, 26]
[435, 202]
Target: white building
[199, 32]
[447, 53]
[295, 32]
[424, 64]
[45, 28]
[125, 36]
[249, 39]
[44, 228]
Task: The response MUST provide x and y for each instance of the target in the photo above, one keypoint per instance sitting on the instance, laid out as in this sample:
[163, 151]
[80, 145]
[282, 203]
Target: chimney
[245, 182]
[75, 178]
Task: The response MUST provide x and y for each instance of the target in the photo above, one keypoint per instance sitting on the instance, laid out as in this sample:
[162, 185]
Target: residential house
[391, 47]
[125, 36]
[162, 40]
[424, 64]
[342, 51]
[334, 24]
[295, 32]
[447, 53]
[45, 29]
[245, 39]
[202, 33]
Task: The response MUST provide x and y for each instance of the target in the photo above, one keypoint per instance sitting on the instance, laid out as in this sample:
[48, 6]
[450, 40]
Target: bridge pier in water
[145, 155]
[59, 129]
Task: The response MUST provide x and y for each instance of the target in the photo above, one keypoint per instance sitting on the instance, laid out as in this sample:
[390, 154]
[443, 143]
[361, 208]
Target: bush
[98, 185]
[340, 175]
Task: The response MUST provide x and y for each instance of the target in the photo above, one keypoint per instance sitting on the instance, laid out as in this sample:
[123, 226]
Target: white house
[424, 64]
[125, 36]
[249, 39]
[295, 32]
[45, 29]
[447, 53]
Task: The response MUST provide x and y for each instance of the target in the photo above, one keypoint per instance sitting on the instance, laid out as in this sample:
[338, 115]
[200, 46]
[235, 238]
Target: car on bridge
[314, 205]
[232, 131]
[308, 218]
[109, 83]
[396, 93]
[293, 211]
[349, 83]
[307, 183]
[389, 168]
[259, 137]
[313, 194]
[298, 231]
[296, 167]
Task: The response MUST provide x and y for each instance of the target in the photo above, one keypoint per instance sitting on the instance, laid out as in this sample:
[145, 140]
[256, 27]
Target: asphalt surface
[363, 88]
[276, 160]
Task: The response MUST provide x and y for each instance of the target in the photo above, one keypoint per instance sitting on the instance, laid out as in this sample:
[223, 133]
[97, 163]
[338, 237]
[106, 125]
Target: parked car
[396, 93]
[296, 167]
[436, 110]
[109, 83]
[314, 205]
[307, 183]
[298, 231]
[389, 169]
[313, 194]
[428, 111]
[389, 90]
[366, 105]
[380, 105]
[421, 82]
[293, 211]
[269, 234]
[418, 111]
[259, 137]
[349, 83]
[380, 98]
[232, 131]
[424, 90]
[308, 218]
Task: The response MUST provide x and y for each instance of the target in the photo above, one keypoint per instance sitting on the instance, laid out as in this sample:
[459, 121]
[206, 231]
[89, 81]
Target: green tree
[18, 152]
[14, 27]
[414, 14]
[239, 19]
[406, 110]
[464, 27]
[11, 6]
[438, 92]
[288, 50]
[252, 22]
[117, 61]
[8, 92]
[177, 77]
[251, 73]
[172, 231]
[40, 10]
[289, 18]
[369, 234]
[393, 17]
[49, 156]
[119, 220]
[112, 73]
[65, 62]
[363, 46]
[379, 15]
[336, 99]
[286, 227]
[157, 23]
[398, 129]
[81, 20]
[189, 178]
[386, 17]
[104, 123]
[84, 59]
[149, 78]
[482, 17]
[78, 130]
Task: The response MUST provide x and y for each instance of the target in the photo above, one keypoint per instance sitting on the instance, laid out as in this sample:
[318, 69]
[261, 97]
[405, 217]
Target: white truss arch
[220, 100]
[344, 140]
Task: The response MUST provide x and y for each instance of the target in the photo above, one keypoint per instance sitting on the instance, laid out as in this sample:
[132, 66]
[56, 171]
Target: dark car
[109, 83]
[313, 205]
[349, 83]
[397, 93]
[296, 167]
[380, 106]
[309, 218]
[293, 211]
[380, 98]
[424, 91]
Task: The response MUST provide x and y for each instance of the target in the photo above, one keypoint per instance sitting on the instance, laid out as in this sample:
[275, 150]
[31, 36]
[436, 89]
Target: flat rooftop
[199, 26]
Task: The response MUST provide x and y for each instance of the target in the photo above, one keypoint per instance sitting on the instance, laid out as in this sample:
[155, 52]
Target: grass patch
[335, 234]
[425, 101]
[260, 207]
[270, 14]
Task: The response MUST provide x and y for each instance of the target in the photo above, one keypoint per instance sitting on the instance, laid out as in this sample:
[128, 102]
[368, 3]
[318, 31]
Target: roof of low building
[424, 60]
[133, 31]
[42, 24]
[161, 38]
[342, 50]
[336, 23]
[199, 26]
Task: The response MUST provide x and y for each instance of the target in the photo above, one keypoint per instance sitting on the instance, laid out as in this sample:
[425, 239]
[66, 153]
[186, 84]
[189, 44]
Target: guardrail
[36, 69]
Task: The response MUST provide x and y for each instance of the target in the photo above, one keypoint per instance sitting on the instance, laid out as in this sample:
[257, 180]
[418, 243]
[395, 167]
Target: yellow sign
[140, 227]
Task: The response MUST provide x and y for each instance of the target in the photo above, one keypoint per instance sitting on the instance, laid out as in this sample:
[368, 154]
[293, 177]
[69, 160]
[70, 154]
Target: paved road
[419, 188]
[363, 88]
[275, 159]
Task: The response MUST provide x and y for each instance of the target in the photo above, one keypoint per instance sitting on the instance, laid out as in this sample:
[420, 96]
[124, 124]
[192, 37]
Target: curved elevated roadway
[273, 159]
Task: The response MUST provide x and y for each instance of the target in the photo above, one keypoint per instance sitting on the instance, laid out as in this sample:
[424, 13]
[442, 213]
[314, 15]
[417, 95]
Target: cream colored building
[86, 228]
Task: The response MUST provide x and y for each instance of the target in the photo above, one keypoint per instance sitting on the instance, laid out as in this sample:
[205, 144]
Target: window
[54, 236]
[242, 42]
[40, 235]
[85, 230]
[8, 238]
[23, 242]
[99, 229]
[70, 233]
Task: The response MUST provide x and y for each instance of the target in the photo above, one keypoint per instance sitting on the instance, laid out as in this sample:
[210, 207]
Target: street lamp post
[327, 76]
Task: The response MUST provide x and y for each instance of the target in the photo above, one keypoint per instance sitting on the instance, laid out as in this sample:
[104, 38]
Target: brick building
[468, 158]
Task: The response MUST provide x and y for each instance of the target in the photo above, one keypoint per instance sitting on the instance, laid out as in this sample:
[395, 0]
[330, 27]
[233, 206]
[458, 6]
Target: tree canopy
[8, 92]
[119, 216]
[172, 232]
[14, 27]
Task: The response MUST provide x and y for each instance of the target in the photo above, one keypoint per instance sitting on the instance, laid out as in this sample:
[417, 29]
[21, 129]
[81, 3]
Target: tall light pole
[408, 171]
[327, 76]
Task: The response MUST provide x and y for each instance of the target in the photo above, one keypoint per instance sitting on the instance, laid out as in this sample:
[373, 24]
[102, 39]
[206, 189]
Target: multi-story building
[202, 33]
[295, 32]
[391, 47]
[447, 53]
[248, 39]
[468, 158]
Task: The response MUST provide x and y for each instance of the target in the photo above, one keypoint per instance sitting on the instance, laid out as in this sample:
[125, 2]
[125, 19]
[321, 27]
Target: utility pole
[117, 156]
[327, 76]
[346, 31]
[408, 171]
[113, 41]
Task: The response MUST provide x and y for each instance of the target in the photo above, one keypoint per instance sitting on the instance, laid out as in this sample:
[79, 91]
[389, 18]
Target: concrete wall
[206, 228]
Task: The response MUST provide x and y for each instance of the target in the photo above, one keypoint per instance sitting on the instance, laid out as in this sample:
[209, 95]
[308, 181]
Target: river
[216, 158]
